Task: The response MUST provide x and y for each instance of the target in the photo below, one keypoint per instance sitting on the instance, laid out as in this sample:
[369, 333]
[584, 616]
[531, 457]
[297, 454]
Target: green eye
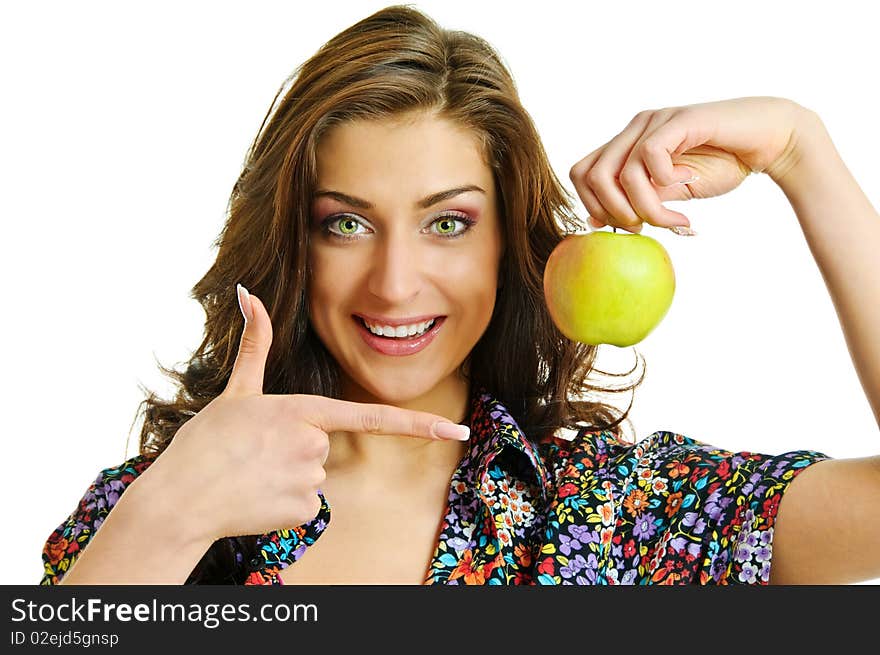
[347, 226]
[343, 221]
[449, 222]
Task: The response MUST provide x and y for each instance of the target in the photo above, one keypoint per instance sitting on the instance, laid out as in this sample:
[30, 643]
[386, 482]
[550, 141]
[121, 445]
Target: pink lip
[399, 347]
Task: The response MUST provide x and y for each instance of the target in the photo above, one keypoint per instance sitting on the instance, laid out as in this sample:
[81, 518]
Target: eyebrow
[424, 203]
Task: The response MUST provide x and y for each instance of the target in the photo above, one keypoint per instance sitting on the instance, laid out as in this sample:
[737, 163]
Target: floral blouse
[589, 510]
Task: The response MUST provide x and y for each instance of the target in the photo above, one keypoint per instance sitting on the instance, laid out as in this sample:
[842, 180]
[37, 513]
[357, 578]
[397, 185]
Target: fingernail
[244, 302]
[445, 430]
[693, 179]
[683, 231]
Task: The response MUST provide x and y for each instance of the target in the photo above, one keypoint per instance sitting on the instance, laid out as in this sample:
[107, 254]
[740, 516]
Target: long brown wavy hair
[396, 60]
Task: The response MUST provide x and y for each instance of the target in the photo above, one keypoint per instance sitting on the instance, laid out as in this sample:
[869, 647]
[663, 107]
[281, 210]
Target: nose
[396, 274]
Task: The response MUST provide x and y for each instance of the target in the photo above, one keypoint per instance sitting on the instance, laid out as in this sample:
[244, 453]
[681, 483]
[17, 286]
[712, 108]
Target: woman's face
[383, 252]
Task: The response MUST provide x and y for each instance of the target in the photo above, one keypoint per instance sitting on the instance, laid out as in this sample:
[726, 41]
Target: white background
[123, 130]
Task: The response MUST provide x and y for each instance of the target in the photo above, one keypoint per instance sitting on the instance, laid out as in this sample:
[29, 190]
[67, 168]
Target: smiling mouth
[427, 329]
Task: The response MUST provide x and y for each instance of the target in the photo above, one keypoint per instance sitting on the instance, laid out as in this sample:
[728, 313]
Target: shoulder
[666, 508]
[662, 452]
[71, 536]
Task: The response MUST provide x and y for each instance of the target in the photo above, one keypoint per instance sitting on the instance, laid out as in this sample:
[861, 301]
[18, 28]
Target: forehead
[415, 150]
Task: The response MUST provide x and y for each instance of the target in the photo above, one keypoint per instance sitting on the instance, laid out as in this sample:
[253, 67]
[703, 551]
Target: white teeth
[400, 331]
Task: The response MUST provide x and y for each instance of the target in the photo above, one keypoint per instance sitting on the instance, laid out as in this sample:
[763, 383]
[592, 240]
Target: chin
[403, 390]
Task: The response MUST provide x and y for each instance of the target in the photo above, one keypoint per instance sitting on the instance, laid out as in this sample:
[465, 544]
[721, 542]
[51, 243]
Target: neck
[389, 456]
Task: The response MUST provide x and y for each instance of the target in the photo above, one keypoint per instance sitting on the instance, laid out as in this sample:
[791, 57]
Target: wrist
[808, 155]
[153, 497]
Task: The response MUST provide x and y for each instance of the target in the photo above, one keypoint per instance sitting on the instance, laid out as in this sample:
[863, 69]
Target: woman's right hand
[249, 463]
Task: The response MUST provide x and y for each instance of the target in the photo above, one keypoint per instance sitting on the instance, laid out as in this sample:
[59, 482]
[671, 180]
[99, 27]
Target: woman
[399, 184]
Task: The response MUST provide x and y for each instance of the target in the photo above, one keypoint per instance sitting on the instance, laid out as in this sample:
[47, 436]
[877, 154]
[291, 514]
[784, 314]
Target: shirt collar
[495, 432]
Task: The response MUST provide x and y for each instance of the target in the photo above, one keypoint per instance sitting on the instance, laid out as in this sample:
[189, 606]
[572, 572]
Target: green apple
[608, 287]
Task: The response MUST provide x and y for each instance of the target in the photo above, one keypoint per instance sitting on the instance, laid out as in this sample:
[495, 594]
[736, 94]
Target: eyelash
[463, 218]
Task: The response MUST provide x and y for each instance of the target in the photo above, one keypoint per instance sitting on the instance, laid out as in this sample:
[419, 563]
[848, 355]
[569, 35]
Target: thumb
[256, 338]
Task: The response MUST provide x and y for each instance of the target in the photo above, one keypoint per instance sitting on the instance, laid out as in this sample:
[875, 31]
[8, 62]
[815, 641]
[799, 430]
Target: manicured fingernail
[244, 302]
[446, 430]
[683, 231]
[693, 179]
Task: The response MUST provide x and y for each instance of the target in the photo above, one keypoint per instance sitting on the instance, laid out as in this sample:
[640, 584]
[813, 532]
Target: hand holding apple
[608, 287]
[614, 288]
[656, 157]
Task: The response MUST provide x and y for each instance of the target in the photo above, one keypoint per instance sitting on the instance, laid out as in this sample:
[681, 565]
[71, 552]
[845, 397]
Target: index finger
[334, 415]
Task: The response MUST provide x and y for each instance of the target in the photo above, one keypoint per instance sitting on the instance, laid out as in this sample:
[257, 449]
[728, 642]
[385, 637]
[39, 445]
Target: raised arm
[842, 229]
[827, 528]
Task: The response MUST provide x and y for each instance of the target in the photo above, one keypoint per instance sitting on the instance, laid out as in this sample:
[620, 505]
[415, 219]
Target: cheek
[475, 283]
[325, 273]
[320, 288]
[479, 271]
[334, 284]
